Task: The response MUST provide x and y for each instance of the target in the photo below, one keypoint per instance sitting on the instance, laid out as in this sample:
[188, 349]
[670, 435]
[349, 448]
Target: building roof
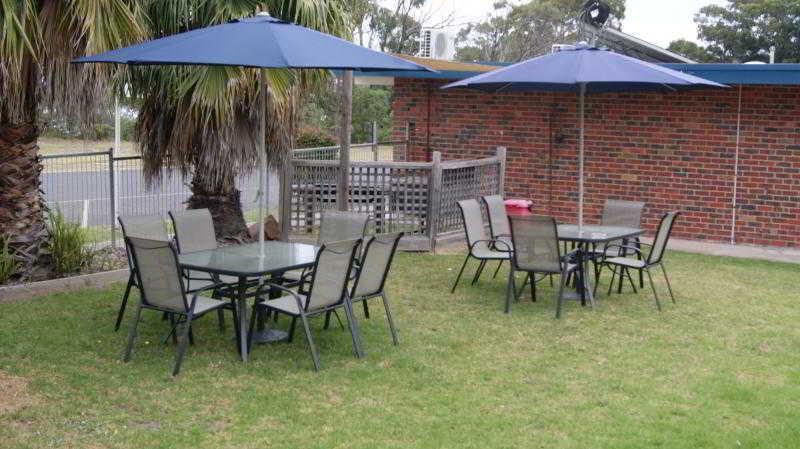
[788, 74]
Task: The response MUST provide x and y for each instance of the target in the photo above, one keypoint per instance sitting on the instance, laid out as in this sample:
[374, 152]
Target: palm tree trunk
[22, 208]
[224, 202]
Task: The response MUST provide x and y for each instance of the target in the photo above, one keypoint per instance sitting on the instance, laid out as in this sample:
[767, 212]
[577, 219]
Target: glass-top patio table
[245, 262]
[587, 238]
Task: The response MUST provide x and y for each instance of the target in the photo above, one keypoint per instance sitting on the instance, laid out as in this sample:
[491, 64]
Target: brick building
[674, 151]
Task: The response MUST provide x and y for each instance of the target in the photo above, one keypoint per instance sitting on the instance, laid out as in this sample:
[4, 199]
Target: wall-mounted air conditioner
[436, 44]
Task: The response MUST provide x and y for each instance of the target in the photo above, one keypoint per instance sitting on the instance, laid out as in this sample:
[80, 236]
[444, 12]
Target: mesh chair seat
[204, 304]
[482, 250]
[286, 304]
[293, 275]
[626, 262]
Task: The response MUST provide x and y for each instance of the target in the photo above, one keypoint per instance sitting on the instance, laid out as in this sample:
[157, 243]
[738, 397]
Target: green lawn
[720, 369]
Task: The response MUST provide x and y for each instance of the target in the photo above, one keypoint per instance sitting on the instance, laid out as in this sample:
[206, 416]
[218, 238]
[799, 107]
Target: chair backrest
[331, 274]
[194, 230]
[158, 273]
[498, 218]
[378, 254]
[622, 213]
[662, 236]
[143, 226]
[339, 225]
[535, 240]
[473, 221]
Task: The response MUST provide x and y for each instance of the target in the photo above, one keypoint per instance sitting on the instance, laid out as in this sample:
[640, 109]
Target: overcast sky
[651, 20]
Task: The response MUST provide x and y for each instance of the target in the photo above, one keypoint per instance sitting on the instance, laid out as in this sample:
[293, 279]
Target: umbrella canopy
[600, 71]
[258, 42]
[261, 42]
[583, 70]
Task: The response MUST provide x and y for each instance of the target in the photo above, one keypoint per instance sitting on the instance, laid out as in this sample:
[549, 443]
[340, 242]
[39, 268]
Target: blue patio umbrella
[260, 42]
[584, 70]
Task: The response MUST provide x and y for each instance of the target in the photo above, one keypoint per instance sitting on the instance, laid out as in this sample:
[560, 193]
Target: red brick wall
[674, 151]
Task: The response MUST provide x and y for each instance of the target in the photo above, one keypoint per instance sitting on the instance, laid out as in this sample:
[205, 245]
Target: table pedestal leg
[241, 315]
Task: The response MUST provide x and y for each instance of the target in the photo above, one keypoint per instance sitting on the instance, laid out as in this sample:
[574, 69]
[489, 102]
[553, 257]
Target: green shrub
[68, 244]
[8, 264]
[312, 137]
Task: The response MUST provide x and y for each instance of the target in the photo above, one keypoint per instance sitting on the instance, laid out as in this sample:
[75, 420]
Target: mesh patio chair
[334, 226]
[194, 231]
[642, 263]
[479, 245]
[162, 289]
[626, 214]
[145, 226]
[375, 264]
[499, 226]
[326, 292]
[537, 251]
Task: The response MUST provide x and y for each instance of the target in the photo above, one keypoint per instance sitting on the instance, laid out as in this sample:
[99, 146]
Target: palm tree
[204, 120]
[37, 41]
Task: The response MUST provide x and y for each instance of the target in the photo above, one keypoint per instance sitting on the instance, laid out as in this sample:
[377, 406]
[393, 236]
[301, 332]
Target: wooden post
[501, 181]
[285, 209]
[434, 198]
[375, 141]
[345, 118]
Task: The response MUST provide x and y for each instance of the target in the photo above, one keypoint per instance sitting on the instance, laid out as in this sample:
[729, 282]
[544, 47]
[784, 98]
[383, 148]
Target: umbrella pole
[262, 152]
[581, 99]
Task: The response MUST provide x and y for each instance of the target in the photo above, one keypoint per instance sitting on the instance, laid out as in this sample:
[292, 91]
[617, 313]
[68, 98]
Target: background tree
[744, 30]
[516, 32]
[37, 41]
[692, 51]
[204, 120]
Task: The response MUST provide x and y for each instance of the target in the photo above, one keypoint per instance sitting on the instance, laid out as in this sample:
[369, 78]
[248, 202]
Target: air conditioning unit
[436, 44]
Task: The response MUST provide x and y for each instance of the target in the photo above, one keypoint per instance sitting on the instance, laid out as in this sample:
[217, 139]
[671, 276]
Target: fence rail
[418, 198]
[93, 188]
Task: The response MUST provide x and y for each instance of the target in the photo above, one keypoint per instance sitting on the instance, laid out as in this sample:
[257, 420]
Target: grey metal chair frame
[186, 317]
[499, 249]
[380, 292]
[304, 313]
[566, 268]
[668, 219]
[611, 217]
[224, 288]
[131, 268]
[497, 214]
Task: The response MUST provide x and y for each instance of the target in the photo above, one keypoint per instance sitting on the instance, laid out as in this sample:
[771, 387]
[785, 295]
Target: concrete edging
[94, 281]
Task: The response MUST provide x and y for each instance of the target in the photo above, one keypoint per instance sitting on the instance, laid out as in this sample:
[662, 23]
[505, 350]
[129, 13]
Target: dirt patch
[15, 394]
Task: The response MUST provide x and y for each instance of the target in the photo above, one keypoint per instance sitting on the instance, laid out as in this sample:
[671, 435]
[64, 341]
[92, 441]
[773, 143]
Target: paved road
[84, 196]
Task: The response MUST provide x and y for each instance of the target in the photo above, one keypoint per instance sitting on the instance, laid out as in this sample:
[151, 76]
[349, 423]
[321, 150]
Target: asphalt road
[84, 196]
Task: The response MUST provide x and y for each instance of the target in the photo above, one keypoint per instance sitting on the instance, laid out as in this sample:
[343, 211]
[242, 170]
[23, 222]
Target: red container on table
[518, 207]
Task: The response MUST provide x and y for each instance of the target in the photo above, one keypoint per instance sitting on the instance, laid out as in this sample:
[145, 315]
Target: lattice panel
[463, 183]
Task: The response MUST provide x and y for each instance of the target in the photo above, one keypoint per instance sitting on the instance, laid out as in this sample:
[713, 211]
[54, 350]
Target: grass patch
[720, 369]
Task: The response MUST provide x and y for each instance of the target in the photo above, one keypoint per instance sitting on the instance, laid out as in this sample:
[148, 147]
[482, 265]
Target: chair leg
[291, 329]
[124, 303]
[395, 340]
[221, 321]
[310, 340]
[352, 324]
[511, 289]
[668, 284]
[613, 277]
[174, 325]
[533, 288]
[478, 272]
[630, 279]
[460, 272]
[187, 329]
[366, 309]
[653, 286]
[497, 270]
[327, 320]
[560, 294]
[622, 271]
[597, 275]
[518, 293]
[132, 335]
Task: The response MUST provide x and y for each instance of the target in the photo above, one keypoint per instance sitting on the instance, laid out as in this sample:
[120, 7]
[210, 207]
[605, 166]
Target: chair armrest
[623, 247]
[492, 243]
